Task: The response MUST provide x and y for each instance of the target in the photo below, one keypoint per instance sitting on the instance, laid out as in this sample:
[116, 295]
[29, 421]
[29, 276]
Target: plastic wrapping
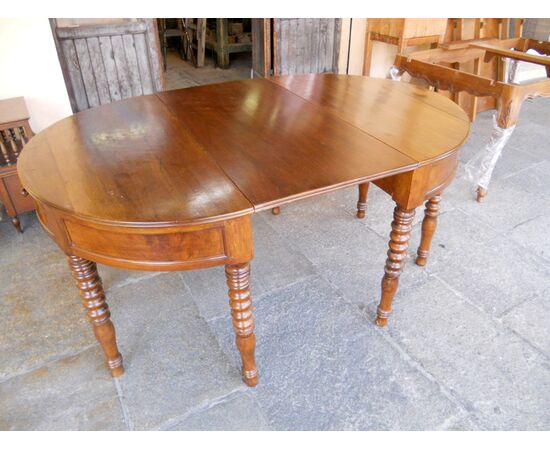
[393, 74]
[511, 70]
[479, 169]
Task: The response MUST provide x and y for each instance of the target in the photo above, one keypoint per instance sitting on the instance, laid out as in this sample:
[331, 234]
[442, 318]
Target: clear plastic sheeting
[511, 70]
[479, 169]
[393, 74]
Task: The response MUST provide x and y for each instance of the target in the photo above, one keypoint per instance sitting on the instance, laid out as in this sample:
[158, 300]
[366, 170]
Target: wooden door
[295, 46]
[105, 62]
[261, 47]
[306, 45]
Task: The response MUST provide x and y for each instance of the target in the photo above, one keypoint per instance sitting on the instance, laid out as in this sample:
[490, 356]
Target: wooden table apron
[170, 181]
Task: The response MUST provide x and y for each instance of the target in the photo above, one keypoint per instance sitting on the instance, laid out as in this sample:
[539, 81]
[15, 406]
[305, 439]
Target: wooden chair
[15, 132]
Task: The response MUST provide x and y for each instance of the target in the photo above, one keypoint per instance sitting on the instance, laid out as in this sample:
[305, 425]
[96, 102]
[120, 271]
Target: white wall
[355, 46]
[30, 68]
[383, 55]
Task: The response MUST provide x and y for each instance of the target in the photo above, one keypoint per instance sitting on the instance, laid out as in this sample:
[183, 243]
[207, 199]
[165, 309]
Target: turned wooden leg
[362, 202]
[429, 225]
[238, 281]
[16, 223]
[93, 298]
[481, 193]
[399, 242]
[275, 211]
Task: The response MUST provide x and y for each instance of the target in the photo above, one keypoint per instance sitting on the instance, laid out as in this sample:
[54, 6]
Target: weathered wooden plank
[325, 41]
[85, 63]
[132, 64]
[276, 47]
[336, 44]
[300, 44]
[75, 76]
[143, 64]
[121, 67]
[201, 41]
[309, 56]
[112, 29]
[315, 36]
[98, 67]
[110, 67]
[281, 47]
[291, 47]
[154, 54]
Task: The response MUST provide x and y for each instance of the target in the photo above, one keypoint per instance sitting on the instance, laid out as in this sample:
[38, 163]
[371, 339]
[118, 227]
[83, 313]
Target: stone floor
[181, 74]
[467, 347]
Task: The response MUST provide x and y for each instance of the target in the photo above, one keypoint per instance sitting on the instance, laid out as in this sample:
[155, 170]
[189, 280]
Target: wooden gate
[295, 46]
[102, 63]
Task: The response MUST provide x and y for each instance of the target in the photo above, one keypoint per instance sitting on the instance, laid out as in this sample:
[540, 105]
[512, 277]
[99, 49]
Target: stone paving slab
[530, 235]
[380, 208]
[531, 320]
[324, 366]
[275, 265]
[239, 413]
[352, 259]
[452, 227]
[505, 206]
[41, 315]
[181, 74]
[488, 274]
[533, 179]
[29, 247]
[74, 393]
[173, 362]
[501, 380]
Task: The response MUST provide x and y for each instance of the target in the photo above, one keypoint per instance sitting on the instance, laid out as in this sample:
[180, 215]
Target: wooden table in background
[170, 181]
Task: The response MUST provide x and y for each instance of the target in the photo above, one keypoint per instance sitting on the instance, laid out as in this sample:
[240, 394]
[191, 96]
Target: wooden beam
[493, 50]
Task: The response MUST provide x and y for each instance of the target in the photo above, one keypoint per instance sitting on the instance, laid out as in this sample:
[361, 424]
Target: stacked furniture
[436, 67]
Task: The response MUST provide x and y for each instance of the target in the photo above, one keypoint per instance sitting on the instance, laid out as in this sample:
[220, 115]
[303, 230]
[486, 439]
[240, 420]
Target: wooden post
[201, 41]
[221, 44]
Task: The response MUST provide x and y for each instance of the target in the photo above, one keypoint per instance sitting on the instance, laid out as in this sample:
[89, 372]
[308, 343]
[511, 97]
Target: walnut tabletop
[169, 181]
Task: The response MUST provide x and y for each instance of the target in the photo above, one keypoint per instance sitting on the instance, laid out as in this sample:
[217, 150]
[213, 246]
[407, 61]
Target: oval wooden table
[170, 181]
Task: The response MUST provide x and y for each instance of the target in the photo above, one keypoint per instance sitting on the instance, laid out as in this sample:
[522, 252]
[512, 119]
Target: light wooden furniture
[467, 29]
[170, 181]
[403, 33]
[432, 66]
[15, 132]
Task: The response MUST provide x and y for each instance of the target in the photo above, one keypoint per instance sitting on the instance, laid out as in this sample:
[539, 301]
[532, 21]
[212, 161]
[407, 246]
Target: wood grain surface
[194, 155]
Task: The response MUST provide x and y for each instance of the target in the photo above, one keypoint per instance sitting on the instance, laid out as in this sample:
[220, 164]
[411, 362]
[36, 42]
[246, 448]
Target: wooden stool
[403, 33]
[15, 132]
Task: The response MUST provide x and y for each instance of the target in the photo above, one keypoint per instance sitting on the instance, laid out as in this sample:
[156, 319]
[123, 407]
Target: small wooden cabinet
[15, 132]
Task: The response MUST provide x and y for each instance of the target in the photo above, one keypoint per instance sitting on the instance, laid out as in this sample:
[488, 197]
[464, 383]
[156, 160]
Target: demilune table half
[170, 181]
